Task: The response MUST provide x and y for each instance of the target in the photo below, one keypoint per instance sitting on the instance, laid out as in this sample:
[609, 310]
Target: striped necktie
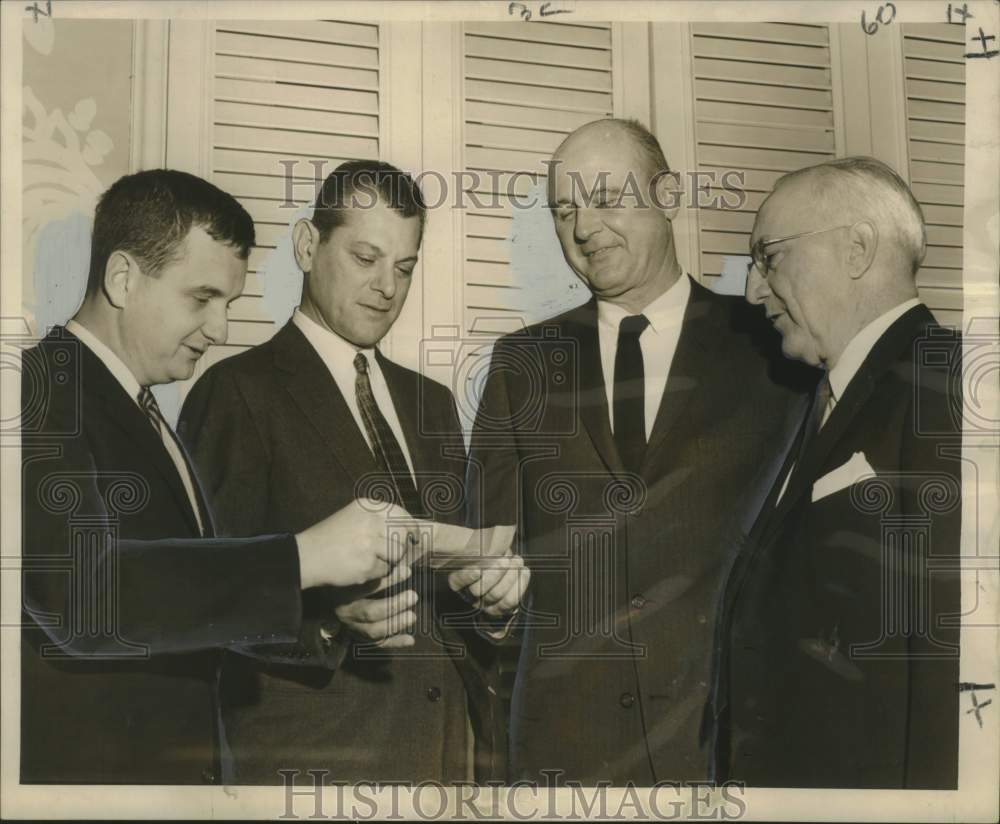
[147, 401]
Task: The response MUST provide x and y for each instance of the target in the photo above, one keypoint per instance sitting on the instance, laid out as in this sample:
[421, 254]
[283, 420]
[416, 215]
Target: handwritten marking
[871, 28]
[526, 14]
[982, 37]
[35, 11]
[963, 12]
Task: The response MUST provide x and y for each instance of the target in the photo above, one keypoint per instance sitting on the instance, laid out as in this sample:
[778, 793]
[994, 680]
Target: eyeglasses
[762, 261]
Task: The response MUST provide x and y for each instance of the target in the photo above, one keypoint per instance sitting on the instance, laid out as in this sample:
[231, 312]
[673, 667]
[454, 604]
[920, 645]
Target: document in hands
[444, 546]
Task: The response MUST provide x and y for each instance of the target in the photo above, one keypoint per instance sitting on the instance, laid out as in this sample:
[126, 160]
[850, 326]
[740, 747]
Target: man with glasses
[839, 657]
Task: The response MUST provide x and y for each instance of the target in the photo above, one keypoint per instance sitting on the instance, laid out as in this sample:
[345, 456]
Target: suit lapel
[692, 367]
[317, 395]
[593, 398]
[121, 411]
[881, 358]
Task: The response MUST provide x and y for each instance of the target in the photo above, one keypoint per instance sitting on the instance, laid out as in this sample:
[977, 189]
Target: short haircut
[360, 184]
[869, 188]
[149, 214]
[647, 144]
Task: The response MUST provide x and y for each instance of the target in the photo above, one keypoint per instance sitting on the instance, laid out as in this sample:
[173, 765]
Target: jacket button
[208, 776]
[638, 602]
[626, 699]
[434, 694]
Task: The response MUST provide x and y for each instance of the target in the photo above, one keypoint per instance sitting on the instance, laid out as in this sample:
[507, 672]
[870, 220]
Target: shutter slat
[309, 98]
[539, 54]
[261, 163]
[324, 31]
[245, 114]
[738, 71]
[709, 111]
[277, 71]
[294, 143]
[765, 32]
[295, 51]
[580, 37]
[775, 138]
[763, 95]
[489, 91]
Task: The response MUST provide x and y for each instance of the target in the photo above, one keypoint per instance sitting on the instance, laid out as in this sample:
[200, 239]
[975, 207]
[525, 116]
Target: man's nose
[756, 288]
[384, 280]
[586, 224]
[216, 328]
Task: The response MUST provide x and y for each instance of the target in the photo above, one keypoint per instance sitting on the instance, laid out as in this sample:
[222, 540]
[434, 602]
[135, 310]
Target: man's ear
[305, 238]
[120, 273]
[863, 239]
[667, 192]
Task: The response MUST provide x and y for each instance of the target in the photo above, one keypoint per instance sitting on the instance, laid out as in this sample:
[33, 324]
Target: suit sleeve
[491, 487]
[94, 594]
[932, 473]
[232, 458]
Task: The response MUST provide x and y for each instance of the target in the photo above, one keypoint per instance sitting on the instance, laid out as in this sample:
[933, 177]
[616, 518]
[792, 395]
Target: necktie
[387, 450]
[147, 401]
[629, 397]
[817, 411]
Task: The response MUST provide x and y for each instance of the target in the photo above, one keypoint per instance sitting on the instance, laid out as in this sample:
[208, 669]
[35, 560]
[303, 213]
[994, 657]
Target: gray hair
[870, 187]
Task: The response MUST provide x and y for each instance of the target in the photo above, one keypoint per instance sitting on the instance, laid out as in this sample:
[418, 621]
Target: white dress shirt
[132, 388]
[857, 350]
[338, 355]
[850, 362]
[658, 343]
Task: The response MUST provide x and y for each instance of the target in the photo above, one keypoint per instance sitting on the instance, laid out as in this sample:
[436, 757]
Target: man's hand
[387, 621]
[494, 585]
[352, 546]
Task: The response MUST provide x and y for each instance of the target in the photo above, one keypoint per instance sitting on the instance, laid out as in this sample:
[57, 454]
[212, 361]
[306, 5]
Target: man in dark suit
[839, 659]
[126, 593]
[632, 439]
[291, 431]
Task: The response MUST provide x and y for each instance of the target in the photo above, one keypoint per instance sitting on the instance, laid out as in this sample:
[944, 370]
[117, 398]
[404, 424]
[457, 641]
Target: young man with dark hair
[126, 592]
[289, 432]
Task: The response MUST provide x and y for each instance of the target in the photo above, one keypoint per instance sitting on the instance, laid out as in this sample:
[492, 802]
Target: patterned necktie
[147, 401]
[387, 450]
[629, 397]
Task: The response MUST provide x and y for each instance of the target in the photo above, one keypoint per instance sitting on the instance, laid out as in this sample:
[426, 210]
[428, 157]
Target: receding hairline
[614, 125]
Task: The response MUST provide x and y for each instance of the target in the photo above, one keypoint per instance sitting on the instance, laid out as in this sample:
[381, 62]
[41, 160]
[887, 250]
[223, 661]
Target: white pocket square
[856, 469]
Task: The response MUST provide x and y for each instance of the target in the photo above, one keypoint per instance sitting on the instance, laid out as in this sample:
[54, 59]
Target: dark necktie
[814, 421]
[387, 450]
[147, 401]
[629, 397]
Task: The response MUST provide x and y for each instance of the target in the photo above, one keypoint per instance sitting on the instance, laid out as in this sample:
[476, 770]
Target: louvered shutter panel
[934, 72]
[526, 86]
[286, 91]
[763, 106]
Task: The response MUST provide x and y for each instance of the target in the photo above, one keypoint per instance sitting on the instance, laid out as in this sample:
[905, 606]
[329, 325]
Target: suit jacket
[842, 666]
[616, 650]
[123, 601]
[275, 443]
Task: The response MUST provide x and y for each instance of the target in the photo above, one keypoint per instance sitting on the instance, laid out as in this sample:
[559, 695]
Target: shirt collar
[115, 365]
[661, 313]
[861, 344]
[330, 345]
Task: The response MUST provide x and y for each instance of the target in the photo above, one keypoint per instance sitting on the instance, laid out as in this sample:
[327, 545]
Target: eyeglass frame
[757, 249]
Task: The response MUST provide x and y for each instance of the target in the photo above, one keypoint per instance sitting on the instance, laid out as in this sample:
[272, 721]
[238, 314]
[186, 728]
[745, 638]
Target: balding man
[840, 632]
[633, 439]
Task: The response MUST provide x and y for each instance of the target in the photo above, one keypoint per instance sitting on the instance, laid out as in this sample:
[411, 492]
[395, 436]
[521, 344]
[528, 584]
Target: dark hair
[360, 184]
[149, 214]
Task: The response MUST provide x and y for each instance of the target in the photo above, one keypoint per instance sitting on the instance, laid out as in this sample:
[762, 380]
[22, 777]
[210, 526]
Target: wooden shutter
[286, 91]
[934, 73]
[763, 106]
[526, 86]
